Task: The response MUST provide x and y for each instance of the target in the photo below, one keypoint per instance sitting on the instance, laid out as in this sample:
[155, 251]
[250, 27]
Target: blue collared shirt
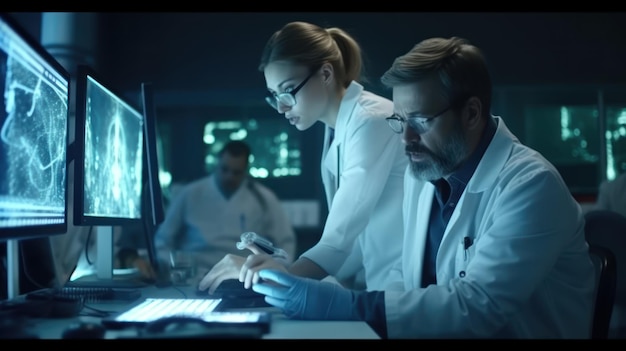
[369, 306]
[448, 191]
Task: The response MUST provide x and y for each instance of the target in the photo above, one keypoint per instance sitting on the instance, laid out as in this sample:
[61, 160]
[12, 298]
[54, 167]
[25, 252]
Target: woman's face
[310, 101]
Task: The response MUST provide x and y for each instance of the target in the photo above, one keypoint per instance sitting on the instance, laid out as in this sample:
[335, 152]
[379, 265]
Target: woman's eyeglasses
[287, 98]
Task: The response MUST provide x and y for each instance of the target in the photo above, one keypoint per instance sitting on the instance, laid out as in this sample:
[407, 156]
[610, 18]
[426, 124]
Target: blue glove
[305, 298]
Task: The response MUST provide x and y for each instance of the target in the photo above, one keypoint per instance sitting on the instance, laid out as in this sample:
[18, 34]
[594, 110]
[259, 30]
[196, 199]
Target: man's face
[231, 171]
[439, 149]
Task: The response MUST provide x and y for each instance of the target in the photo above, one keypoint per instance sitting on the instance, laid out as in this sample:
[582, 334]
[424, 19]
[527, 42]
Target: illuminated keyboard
[157, 310]
[152, 309]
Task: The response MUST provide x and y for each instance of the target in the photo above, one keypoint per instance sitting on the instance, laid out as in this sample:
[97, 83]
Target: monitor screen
[108, 154]
[34, 128]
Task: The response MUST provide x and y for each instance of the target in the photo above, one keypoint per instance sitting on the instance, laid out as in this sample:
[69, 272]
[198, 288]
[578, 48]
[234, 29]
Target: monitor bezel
[157, 210]
[35, 231]
[83, 72]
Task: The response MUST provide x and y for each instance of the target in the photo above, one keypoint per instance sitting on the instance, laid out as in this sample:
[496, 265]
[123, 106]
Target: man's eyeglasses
[287, 98]
[418, 123]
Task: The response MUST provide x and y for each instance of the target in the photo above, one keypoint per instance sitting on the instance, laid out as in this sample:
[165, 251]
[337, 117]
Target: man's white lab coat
[523, 272]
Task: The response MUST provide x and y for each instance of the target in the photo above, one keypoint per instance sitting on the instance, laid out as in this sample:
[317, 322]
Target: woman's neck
[330, 116]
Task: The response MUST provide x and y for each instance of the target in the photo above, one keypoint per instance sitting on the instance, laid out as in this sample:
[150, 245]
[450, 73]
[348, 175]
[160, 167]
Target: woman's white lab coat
[526, 272]
[362, 172]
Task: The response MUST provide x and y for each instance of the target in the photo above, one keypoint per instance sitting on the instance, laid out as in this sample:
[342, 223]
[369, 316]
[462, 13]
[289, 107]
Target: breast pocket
[464, 254]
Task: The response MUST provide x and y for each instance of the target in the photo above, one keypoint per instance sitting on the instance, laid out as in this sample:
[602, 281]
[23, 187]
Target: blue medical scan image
[33, 139]
[113, 155]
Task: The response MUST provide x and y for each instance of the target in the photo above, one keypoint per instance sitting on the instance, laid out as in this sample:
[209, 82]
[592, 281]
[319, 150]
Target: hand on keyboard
[227, 268]
[240, 268]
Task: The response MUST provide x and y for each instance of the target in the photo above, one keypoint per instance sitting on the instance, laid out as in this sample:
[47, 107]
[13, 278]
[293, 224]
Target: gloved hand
[305, 298]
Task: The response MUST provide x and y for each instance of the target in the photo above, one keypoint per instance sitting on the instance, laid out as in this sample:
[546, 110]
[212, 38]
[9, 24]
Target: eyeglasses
[287, 98]
[419, 124]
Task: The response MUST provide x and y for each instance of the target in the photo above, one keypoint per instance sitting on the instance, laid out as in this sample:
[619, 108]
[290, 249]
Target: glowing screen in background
[33, 136]
[113, 155]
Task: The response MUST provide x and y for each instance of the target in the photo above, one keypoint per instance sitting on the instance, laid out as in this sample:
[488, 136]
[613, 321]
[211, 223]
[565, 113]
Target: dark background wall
[206, 51]
[204, 65]
[220, 51]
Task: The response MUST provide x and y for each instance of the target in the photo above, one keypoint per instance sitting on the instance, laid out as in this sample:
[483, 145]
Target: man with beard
[494, 243]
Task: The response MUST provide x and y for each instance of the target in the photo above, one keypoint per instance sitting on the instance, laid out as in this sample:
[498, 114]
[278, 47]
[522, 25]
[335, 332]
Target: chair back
[605, 228]
[606, 284]
[608, 229]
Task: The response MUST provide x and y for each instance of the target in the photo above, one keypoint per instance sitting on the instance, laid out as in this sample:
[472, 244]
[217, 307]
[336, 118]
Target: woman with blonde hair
[312, 76]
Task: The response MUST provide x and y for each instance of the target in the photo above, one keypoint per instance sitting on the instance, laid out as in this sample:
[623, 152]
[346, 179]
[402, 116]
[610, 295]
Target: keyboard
[85, 294]
[152, 310]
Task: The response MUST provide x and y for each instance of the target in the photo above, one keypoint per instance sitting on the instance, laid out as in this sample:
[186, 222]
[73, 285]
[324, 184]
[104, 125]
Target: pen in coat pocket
[467, 242]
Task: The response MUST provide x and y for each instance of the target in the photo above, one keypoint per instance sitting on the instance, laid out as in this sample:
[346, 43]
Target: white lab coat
[362, 172]
[528, 273]
[201, 220]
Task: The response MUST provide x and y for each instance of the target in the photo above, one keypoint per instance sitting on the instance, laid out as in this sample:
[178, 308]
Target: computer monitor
[34, 128]
[152, 156]
[108, 169]
[155, 213]
[34, 124]
[108, 154]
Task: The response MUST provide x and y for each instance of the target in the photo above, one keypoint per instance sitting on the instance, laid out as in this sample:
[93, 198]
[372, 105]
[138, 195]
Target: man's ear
[473, 112]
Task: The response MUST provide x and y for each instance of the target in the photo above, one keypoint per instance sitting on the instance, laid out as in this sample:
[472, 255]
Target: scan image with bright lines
[113, 156]
[33, 142]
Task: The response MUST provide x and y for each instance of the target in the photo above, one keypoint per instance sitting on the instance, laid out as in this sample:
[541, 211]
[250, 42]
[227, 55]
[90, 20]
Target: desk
[282, 328]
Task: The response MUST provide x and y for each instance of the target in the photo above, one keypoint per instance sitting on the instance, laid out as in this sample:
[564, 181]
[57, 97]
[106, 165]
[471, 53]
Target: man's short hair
[236, 148]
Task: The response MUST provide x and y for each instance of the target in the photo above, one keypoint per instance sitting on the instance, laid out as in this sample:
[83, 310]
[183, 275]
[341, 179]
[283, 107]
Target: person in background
[612, 195]
[494, 243]
[207, 217]
[312, 76]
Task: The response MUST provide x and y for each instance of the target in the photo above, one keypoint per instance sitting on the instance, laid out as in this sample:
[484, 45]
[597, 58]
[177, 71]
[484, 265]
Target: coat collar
[348, 102]
[494, 158]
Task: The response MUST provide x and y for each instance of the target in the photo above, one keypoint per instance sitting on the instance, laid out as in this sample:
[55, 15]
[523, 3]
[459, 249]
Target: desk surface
[282, 328]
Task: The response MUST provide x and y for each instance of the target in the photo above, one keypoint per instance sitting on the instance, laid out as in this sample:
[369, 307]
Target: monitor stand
[13, 269]
[104, 277]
